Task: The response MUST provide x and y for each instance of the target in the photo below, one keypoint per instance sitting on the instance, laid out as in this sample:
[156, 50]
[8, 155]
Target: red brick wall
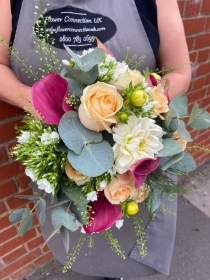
[196, 19]
[20, 255]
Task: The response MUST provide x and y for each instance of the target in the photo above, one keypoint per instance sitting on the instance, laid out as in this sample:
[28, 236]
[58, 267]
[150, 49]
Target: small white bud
[65, 62]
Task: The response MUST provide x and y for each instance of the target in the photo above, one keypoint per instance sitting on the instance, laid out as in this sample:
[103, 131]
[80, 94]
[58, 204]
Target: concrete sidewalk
[191, 256]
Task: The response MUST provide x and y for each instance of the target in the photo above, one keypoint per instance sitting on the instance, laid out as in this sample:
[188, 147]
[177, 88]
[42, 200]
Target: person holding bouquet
[151, 29]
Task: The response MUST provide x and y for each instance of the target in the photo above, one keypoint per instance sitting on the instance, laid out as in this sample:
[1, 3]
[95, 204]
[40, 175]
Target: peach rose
[75, 175]
[141, 194]
[120, 188]
[180, 140]
[99, 104]
[157, 94]
[125, 77]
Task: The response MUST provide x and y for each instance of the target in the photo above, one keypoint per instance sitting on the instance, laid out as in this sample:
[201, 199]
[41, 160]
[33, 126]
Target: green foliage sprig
[141, 241]
[197, 147]
[108, 68]
[114, 244]
[167, 210]
[22, 63]
[44, 42]
[72, 257]
[45, 161]
[161, 181]
[133, 61]
[91, 240]
[128, 107]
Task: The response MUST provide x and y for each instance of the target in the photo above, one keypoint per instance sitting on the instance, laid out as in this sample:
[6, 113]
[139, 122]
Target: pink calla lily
[48, 97]
[153, 80]
[142, 168]
[104, 215]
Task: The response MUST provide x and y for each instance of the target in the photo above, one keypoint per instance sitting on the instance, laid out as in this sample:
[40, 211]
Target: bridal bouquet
[106, 139]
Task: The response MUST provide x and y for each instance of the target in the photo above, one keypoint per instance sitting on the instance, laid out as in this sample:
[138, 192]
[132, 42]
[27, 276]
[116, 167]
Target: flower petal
[104, 215]
[66, 107]
[142, 168]
[153, 80]
[47, 97]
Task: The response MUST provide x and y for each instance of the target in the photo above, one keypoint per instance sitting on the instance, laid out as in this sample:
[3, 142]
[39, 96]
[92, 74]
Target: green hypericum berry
[131, 208]
[123, 117]
[138, 98]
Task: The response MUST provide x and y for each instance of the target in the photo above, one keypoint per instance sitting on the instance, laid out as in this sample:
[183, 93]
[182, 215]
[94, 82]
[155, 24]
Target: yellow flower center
[142, 145]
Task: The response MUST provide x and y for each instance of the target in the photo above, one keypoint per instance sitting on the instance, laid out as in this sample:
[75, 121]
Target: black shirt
[146, 8]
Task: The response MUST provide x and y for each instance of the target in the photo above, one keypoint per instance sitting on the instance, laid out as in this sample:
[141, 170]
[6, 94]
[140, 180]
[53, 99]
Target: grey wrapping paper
[160, 235]
[102, 261]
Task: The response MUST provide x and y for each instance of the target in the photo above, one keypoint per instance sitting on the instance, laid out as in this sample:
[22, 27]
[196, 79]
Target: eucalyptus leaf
[80, 212]
[93, 73]
[92, 59]
[153, 201]
[173, 125]
[55, 222]
[26, 222]
[163, 160]
[74, 56]
[16, 215]
[61, 147]
[33, 185]
[63, 199]
[182, 131]
[74, 87]
[65, 236]
[74, 193]
[65, 219]
[168, 134]
[94, 160]
[29, 197]
[201, 120]
[168, 118]
[172, 160]
[180, 105]
[194, 112]
[64, 203]
[74, 134]
[186, 164]
[42, 208]
[63, 72]
[51, 235]
[171, 147]
[79, 75]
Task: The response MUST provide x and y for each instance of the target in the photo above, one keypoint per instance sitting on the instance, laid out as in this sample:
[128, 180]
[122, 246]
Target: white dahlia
[140, 138]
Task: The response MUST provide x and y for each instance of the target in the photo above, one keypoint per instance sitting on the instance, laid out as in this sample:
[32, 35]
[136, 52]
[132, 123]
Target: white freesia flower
[112, 171]
[85, 52]
[29, 172]
[44, 184]
[65, 62]
[103, 184]
[24, 137]
[148, 106]
[140, 138]
[82, 230]
[119, 223]
[92, 196]
[47, 138]
[121, 68]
